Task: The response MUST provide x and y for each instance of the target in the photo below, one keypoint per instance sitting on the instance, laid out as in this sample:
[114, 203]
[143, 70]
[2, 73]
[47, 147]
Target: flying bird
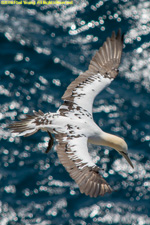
[73, 125]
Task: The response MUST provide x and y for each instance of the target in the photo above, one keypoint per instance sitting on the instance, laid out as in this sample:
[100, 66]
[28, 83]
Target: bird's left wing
[73, 154]
[102, 70]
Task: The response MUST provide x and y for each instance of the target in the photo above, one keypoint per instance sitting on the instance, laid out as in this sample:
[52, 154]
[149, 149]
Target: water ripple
[42, 49]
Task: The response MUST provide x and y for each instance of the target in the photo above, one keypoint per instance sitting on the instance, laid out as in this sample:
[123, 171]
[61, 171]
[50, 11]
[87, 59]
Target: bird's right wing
[73, 154]
[102, 70]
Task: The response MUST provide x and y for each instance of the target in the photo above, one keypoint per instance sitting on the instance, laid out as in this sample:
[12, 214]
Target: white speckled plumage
[73, 124]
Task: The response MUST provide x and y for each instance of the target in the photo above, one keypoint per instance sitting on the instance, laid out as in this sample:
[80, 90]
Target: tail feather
[27, 126]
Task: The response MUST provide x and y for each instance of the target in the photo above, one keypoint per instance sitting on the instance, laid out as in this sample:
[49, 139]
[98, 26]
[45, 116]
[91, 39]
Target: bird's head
[122, 149]
[116, 143]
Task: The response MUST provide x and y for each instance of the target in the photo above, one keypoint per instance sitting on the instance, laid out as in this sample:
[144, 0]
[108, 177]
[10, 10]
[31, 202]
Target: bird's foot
[50, 143]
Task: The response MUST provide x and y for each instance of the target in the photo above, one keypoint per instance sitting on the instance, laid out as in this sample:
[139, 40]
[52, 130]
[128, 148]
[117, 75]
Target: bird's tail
[29, 125]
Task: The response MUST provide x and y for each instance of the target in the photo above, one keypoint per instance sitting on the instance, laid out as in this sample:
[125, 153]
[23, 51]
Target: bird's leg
[50, 143]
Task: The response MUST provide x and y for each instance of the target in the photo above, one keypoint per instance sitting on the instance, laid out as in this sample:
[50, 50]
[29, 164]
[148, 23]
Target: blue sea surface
[42, 49]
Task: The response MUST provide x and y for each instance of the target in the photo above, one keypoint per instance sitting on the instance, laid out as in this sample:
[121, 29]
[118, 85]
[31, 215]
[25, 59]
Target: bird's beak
[127, 158]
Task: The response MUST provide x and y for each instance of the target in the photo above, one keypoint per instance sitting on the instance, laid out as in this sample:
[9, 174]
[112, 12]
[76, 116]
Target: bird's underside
[73, 123]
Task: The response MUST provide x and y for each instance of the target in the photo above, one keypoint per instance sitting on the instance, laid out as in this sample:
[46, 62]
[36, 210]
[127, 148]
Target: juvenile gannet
[73, 124]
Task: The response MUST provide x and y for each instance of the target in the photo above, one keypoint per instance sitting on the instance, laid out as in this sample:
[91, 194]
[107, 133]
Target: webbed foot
[50, 143]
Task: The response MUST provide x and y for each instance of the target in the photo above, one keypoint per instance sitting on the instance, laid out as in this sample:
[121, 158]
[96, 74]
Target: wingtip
[119, 35]
[119, 32]
[113, 35]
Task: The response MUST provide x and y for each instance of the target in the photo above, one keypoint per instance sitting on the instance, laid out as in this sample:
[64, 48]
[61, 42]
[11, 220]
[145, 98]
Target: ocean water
[42, 49]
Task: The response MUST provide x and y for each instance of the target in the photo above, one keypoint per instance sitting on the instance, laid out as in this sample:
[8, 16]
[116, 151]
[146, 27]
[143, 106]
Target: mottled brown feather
[89, 180]
[23, 124]
[106, 62]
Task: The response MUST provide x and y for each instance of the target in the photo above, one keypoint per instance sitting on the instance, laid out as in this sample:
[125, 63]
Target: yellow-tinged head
[118, 144]
[123, 150]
